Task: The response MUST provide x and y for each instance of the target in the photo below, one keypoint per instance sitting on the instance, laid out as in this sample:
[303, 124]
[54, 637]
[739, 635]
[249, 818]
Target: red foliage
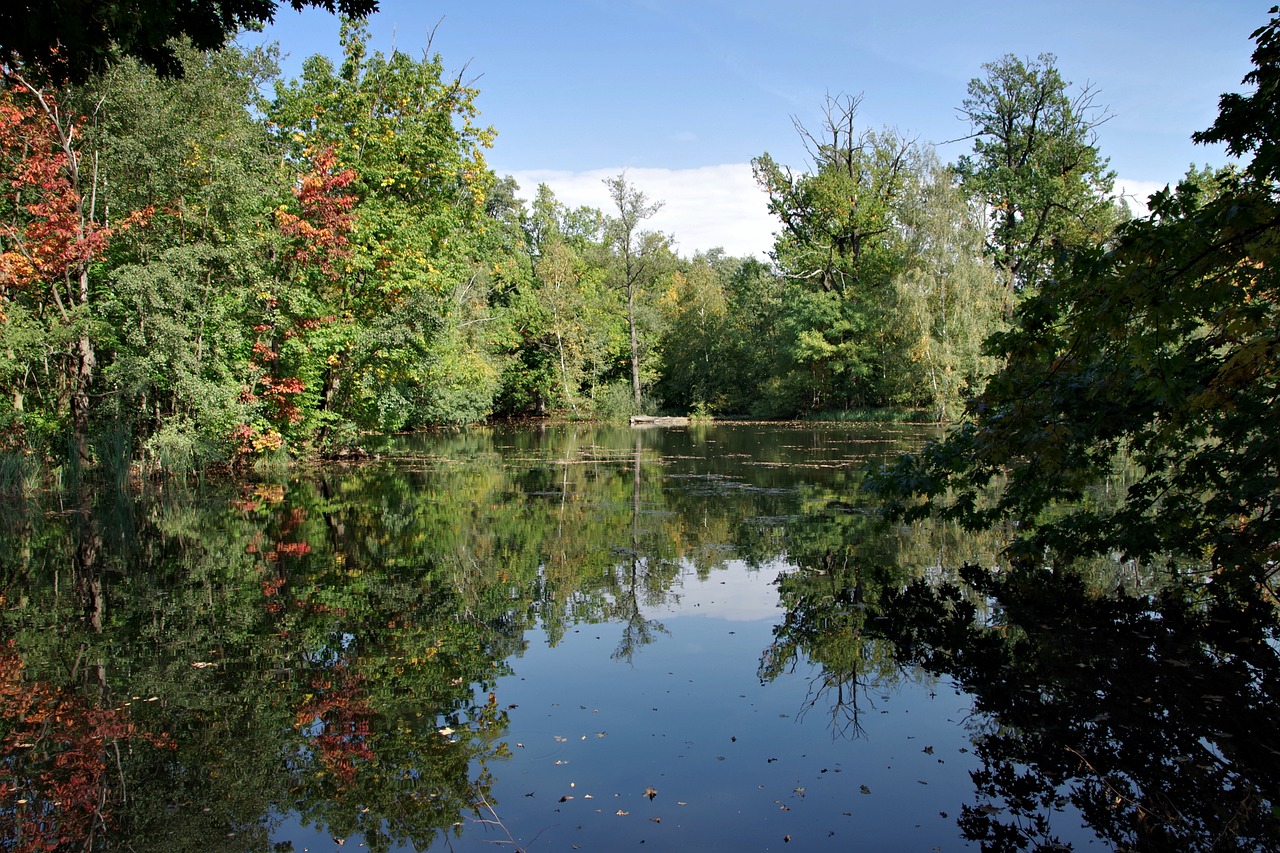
[336, 720]
[57, 761]
[263, 352]
[293, 549]
[320, 232]
[281, 394]
[39, 168]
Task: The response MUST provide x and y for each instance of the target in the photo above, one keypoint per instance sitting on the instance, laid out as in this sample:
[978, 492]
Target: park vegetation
[204, 263]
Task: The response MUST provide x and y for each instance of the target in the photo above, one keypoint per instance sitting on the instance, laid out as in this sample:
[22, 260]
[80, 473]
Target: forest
[203, 263]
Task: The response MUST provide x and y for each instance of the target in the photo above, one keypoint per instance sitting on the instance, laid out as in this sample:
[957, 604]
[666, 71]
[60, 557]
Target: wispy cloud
[702, 208]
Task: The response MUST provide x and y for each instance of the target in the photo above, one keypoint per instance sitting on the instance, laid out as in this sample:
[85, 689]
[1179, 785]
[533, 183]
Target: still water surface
[573, 638]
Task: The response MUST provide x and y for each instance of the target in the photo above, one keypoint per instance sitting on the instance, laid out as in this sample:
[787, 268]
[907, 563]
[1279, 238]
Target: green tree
[842, 244]
[1158, 352]
[949, 297]
[403, 338]
[1035, 165]
[694, 333]
[719, 335]
[565, 318]
[641, 257]
[174, 310]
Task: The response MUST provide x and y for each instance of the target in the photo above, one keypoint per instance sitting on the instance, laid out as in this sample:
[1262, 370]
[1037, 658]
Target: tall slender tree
[640, 254]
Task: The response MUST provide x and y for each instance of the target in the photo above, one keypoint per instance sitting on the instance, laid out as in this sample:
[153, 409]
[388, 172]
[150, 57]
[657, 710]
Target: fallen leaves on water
[621, 813]
[651, 792]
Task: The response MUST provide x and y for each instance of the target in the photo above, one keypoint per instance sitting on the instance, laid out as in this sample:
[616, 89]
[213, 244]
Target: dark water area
[590, 638]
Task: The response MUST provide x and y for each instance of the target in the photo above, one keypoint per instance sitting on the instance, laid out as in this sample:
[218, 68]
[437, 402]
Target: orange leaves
[39, 169]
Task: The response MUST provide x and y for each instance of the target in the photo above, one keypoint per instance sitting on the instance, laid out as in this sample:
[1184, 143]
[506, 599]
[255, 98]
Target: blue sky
[681, 95]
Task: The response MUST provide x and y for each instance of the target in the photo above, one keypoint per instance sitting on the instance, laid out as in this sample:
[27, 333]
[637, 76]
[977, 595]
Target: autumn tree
[412, 305]
[52, 231]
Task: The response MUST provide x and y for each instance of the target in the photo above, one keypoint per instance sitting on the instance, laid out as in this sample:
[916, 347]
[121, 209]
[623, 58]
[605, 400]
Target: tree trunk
[635, 345]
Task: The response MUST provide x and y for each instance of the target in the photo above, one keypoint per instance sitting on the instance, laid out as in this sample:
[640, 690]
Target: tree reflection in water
[332, 649]
[1155, 717]
[842, 568]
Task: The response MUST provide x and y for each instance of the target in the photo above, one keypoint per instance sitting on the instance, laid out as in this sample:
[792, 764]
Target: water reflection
[342, 652]
[1154, 718]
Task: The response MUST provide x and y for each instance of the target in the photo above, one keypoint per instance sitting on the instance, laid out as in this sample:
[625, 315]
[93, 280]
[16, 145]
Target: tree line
[208, 263]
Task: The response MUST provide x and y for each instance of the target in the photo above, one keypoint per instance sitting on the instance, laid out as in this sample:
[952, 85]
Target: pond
[582, 638]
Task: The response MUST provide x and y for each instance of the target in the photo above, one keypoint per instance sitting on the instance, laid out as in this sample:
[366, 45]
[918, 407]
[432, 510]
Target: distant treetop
[70, 40]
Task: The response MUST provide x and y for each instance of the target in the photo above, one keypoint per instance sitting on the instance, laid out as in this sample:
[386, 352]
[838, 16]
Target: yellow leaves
[15, 270]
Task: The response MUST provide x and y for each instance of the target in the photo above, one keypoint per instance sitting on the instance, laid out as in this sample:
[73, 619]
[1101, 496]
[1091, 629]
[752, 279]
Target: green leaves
[1035, 165]
[1160, 355]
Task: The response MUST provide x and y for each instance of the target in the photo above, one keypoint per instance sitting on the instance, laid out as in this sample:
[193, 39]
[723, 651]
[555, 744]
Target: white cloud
[711, 206]
[1136, 193]
[702, 208]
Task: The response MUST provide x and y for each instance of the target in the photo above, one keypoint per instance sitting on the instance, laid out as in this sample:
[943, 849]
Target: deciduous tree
[1036, 165]
[1162, 351]
[842, 243]
[641, 255]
